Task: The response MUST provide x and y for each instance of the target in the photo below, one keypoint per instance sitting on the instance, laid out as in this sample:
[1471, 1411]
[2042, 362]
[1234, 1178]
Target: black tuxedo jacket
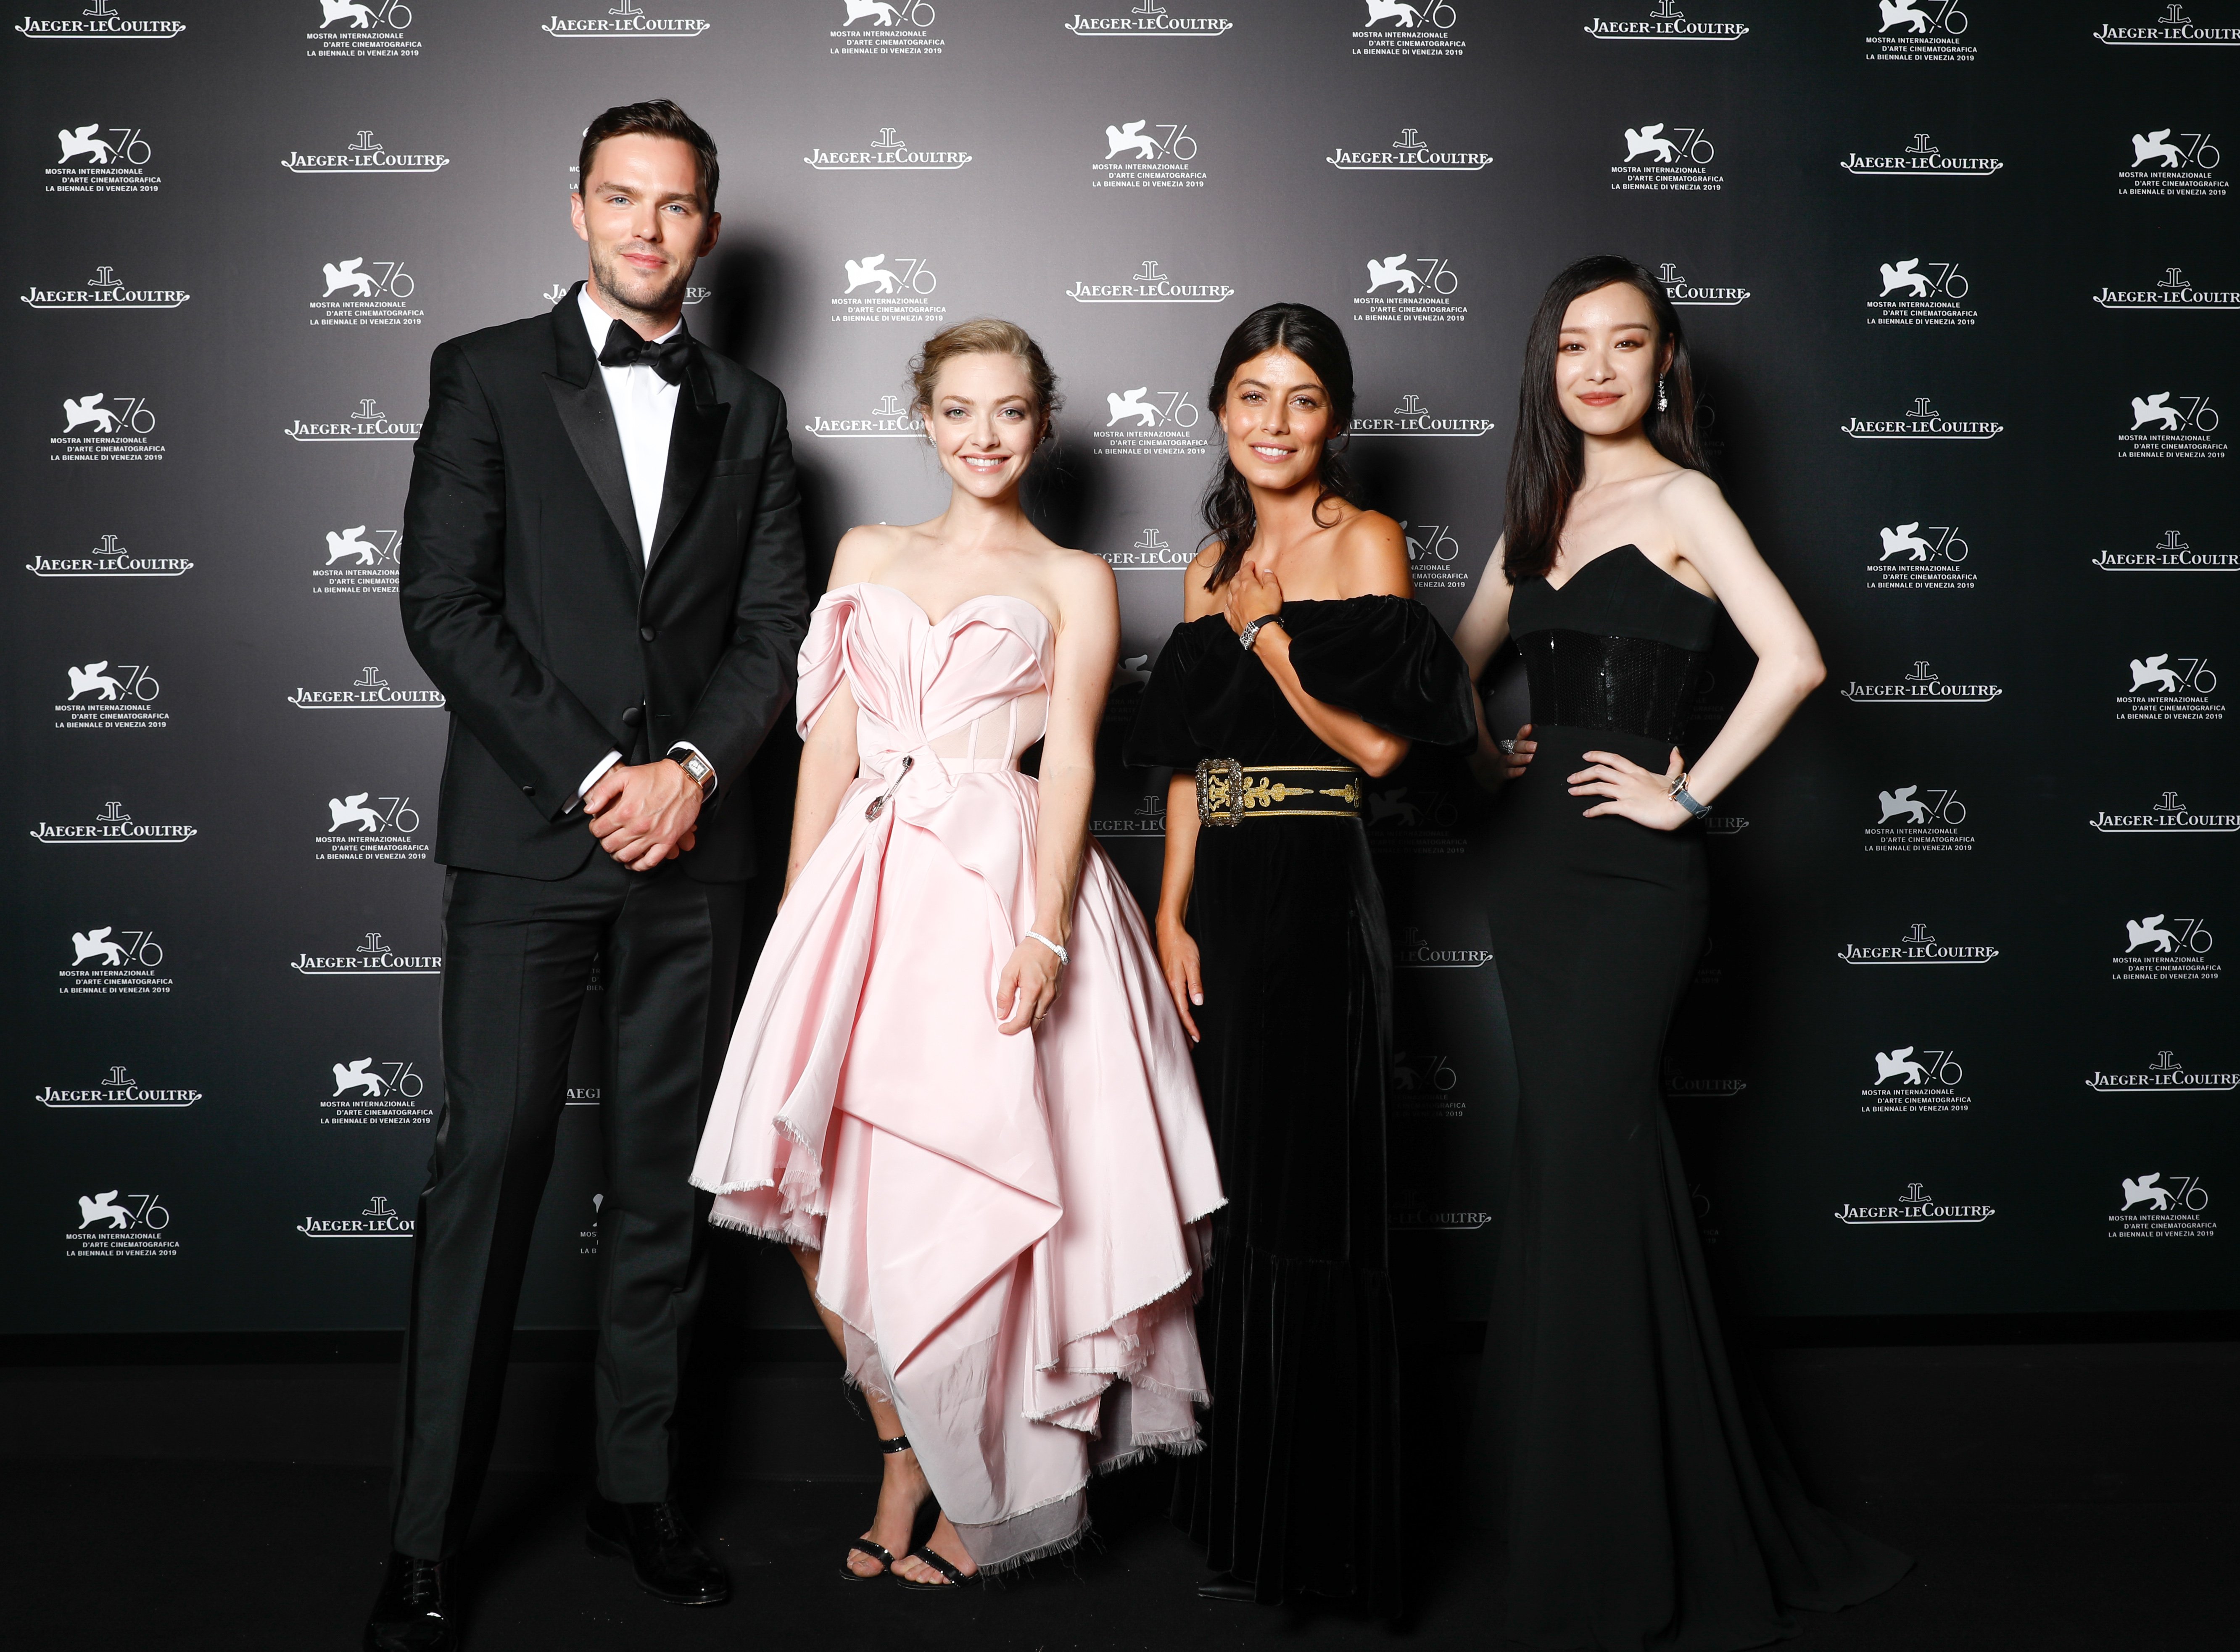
[526, 599]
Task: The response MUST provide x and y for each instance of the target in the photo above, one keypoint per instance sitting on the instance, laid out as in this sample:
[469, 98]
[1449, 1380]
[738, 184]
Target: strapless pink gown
[1008, 1225]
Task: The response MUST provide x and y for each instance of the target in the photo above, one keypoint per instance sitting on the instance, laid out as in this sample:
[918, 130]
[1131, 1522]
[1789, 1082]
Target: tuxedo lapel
[693, 435]
[580, 398]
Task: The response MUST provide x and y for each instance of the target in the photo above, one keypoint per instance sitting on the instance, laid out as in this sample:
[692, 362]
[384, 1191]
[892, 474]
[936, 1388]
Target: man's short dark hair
[660, 118]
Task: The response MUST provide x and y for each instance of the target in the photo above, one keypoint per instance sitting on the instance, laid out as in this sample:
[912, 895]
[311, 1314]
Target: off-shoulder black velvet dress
[1646, 1500]
[1298, 1490]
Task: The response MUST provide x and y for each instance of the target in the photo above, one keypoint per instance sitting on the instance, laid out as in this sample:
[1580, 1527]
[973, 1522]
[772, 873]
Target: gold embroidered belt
[1229, 793]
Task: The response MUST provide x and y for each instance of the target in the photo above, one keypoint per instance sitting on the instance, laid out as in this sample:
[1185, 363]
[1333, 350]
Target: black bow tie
[625, 348]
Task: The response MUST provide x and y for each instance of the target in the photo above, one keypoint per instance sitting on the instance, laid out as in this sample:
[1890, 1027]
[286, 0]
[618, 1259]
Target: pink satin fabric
[1008, 1225]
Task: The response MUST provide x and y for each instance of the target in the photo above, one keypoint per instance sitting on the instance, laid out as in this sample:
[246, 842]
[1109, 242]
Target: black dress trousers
[519, 954]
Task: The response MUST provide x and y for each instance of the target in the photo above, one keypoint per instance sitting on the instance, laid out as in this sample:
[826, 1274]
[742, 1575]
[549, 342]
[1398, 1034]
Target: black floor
[169, 1556]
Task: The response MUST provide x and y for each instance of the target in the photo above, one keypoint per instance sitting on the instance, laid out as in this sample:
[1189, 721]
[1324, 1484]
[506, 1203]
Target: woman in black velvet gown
[1645, 1503]
[1272, 937]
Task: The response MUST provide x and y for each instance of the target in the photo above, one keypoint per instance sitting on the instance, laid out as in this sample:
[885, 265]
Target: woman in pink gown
[959, 1088]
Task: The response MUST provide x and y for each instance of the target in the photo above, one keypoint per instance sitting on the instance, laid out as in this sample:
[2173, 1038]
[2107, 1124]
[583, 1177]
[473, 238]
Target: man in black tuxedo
[603, 571]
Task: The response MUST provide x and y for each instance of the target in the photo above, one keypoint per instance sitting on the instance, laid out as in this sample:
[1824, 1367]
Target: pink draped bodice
[970, 692]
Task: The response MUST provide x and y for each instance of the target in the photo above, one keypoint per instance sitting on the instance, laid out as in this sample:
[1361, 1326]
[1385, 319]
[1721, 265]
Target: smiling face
[641, 211]
[1608, 358]
[985, 421]
[1276, 416]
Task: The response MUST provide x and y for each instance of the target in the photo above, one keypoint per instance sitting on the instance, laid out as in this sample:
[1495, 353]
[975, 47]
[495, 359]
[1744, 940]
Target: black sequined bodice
[1631, 683]
[1620, 646]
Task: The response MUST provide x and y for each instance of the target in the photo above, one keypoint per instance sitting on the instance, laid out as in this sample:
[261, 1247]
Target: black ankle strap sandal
[876, 1551]
[956, 1579]
[864, 1545]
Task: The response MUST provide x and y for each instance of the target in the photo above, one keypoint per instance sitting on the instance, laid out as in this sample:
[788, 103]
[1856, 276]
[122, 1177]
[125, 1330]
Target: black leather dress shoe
[1226, 1588]
[668, 1558]
[413, 1612]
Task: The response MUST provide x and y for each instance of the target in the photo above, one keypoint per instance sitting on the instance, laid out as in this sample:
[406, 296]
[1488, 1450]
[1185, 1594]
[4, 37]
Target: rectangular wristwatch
[702, 771]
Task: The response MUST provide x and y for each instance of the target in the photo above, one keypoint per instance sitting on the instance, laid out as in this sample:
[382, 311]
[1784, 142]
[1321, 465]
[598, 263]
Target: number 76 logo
[1431, 540]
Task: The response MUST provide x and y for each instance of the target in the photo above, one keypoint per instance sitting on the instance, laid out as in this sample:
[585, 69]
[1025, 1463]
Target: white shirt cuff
[592, 779]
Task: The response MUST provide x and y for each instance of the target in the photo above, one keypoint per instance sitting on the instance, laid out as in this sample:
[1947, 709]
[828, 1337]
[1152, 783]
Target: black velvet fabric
[1298, 1491]
[1383, 658]
[1645, 1500]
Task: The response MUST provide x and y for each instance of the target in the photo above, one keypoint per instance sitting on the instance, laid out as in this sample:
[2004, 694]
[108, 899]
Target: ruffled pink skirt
[1011, 1228]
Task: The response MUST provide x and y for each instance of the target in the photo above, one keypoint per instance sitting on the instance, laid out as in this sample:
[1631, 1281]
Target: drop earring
[1661, 403]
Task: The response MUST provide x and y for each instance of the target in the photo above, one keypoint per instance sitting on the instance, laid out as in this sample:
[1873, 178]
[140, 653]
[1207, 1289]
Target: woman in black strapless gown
[1644, 1501]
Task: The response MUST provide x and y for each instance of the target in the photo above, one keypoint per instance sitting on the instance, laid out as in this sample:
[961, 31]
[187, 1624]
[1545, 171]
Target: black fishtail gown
[1298, 1491]
[1645, 1502]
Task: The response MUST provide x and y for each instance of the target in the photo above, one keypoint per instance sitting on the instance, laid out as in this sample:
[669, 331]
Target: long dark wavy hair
[1545, 458]
[1313, 338]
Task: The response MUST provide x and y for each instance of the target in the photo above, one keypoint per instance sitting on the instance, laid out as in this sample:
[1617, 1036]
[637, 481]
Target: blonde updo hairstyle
[986, 336]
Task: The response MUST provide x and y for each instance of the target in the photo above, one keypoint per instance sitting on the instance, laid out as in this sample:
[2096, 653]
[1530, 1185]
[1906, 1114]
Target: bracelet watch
[1251, 634]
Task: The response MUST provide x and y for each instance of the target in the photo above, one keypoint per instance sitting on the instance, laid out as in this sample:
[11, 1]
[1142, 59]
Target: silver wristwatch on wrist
[1682, 796]
[1251, 634]
[702, 771]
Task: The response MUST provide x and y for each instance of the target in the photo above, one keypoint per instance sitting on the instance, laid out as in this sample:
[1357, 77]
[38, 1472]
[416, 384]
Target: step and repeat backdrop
[1965, 287]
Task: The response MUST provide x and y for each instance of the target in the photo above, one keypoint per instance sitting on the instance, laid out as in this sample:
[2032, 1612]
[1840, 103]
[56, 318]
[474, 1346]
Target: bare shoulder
[1371, 555]
[1715, 554]
[865, 552]
[1690, 497]
[1082, 581]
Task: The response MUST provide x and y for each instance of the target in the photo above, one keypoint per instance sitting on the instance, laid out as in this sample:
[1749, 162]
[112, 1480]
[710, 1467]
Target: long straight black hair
[1231, 521]
[1544, 460]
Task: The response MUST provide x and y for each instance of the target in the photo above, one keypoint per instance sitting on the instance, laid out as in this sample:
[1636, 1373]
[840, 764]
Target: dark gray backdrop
[1937, 1033]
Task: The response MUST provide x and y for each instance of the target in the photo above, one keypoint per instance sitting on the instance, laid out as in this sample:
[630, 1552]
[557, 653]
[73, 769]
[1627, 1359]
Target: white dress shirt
[644, 405]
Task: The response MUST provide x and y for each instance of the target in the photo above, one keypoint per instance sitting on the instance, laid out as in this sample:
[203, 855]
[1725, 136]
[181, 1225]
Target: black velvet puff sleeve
[1385, 659]
[1162, 737]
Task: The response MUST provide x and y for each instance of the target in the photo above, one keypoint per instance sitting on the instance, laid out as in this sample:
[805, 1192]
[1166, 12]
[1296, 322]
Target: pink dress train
[1009, 1226]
